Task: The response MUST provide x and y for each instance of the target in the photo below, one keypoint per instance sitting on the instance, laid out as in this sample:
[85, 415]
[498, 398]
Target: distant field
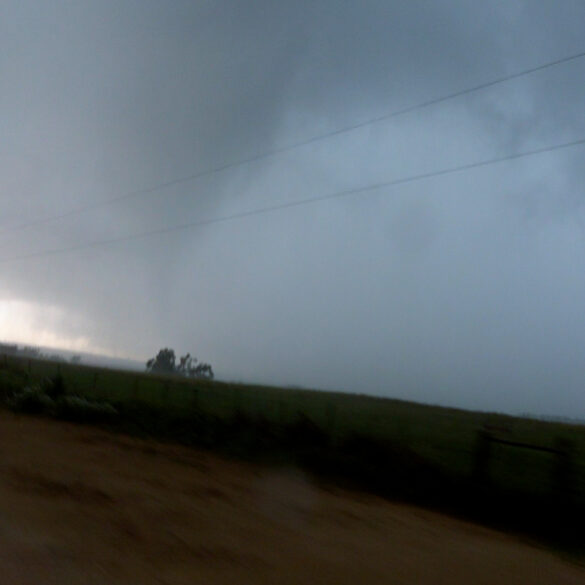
[444, 439]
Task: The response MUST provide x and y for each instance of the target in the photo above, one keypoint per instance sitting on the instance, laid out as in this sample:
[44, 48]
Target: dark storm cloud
[464, 290]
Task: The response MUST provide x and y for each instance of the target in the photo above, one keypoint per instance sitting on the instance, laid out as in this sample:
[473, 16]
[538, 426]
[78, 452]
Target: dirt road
[78, 505]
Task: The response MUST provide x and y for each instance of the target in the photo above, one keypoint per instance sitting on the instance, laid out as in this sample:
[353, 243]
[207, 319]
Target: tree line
[28, 351]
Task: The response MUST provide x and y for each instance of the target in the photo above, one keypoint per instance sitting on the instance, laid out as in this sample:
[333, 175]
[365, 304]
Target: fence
[563, 476]
[445, 438]
[171, 391]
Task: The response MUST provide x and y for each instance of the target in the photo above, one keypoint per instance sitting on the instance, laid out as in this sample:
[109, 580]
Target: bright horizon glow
[27, 323]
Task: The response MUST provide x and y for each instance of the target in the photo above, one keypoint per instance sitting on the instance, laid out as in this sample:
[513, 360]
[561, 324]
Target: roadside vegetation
[427, 455]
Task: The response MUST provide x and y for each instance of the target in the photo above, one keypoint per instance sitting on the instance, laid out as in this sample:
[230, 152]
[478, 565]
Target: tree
[165, 363]
[203, 371]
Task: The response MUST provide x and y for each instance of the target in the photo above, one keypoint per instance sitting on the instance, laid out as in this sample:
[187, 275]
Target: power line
[293, 146]
[297, 203]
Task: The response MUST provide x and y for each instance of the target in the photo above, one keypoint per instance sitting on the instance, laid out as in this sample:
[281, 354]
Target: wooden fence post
[482, 455]
[563, 475]
[331, 417]
[165, 392]
[235, 401]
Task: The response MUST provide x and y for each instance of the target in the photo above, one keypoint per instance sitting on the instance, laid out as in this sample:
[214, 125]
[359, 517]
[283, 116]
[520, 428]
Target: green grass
[444, 436]
[403, 449]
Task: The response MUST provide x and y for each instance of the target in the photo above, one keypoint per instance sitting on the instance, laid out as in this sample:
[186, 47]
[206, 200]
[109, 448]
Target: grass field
[398, 447]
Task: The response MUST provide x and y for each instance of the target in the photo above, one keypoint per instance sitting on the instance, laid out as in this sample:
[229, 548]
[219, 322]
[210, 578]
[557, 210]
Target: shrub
[54, 387]
[49, 398]
[31, 400]
[10, 384]
[77, 409]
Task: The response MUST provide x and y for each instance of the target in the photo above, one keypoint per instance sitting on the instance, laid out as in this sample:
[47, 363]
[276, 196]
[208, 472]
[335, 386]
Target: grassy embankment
[422, 454]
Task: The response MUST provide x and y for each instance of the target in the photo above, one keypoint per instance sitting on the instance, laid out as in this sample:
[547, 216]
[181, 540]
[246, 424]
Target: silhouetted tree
[202, 371]
[165, 363]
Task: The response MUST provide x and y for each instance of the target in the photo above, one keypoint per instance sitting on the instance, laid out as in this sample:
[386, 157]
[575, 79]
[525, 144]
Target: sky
[465, 289]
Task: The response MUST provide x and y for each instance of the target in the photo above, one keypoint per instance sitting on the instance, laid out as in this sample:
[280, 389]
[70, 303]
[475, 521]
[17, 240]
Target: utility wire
[290, 147]
[297, 203]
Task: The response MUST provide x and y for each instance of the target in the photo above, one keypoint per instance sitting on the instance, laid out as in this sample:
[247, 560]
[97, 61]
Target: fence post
[165, 392]
[482, 455]
[563, 471]
[565, 517]
[331, 418]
